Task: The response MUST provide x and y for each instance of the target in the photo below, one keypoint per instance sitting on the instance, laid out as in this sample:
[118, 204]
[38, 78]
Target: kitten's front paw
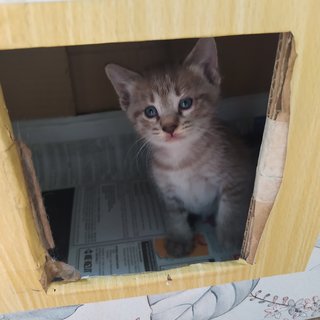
[179, 247]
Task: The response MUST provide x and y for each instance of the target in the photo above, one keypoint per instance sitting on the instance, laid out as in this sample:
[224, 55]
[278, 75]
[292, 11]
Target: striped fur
[201, 164]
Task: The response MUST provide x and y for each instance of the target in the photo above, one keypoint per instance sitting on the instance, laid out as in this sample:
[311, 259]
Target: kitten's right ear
[122, 80]
[204, 57]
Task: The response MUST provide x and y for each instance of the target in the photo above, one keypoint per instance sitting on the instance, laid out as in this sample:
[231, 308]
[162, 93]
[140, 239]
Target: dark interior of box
[69, 81]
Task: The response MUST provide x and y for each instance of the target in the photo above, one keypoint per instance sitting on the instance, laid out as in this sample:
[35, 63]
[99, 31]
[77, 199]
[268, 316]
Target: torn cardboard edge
[38, 209]
[52, 269]
[273, 148]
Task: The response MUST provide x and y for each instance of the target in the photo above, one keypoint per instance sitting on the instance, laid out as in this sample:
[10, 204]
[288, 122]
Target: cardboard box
[294, 221]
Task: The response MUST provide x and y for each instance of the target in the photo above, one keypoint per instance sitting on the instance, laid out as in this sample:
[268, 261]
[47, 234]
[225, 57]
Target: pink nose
[169, 128]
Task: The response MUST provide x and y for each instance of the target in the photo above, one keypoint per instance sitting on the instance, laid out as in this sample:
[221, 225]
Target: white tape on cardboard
[271, 161]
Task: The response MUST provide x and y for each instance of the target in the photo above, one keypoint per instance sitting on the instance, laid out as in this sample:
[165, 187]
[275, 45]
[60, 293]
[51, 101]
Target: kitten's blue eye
[151, 112]
[185, 104]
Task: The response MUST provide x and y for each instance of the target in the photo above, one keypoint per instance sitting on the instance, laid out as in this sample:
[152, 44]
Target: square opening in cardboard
[87, 176]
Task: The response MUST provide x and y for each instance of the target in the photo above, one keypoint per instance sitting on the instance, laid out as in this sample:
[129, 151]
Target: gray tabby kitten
[196, 162]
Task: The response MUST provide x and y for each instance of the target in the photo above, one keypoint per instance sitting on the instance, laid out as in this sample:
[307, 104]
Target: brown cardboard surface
[246, 64]
[258, 216]
[93, 90]
[279, 99]
[36, 83]
[71, 80]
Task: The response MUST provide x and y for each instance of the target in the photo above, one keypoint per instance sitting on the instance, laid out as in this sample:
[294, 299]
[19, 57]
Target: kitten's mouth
[173, 137]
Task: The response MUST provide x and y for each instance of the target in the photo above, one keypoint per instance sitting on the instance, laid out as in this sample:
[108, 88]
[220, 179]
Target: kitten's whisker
[131, 148]
[145, 145]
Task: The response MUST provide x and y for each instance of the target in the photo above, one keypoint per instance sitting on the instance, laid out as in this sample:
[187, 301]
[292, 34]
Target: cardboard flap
[38, 209]
[53, 268]
[273, 148]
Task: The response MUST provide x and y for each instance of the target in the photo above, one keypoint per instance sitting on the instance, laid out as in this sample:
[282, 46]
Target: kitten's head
[173, 104]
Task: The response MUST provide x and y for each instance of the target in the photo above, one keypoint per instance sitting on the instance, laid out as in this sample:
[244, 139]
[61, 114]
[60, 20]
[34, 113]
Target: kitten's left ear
[204, 56]
[122, 80]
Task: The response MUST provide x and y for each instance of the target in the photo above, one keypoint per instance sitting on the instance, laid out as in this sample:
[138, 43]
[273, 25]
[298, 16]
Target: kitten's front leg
[231, 220]
[180, 240]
